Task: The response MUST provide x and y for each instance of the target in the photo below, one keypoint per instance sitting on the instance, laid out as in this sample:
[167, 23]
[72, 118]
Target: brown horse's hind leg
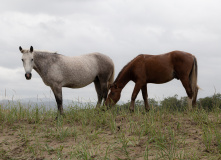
[134, 95]
[188, 88]
[195, 96]
[144, 93]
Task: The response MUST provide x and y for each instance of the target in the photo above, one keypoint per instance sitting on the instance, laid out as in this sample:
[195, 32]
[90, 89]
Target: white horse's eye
[32, 60]
[22, 60]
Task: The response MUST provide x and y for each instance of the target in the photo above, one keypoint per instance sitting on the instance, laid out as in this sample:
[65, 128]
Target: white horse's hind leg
[189, 103]
[99, 93]
[104, 91]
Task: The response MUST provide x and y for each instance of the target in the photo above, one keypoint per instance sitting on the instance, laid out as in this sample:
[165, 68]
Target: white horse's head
[28, 61]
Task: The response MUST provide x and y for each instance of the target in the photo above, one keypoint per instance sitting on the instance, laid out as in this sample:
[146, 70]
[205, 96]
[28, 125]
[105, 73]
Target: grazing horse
[59, 71]
[157, 69]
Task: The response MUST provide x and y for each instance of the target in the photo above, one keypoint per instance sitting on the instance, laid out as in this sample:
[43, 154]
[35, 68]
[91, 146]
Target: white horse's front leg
[58, 96]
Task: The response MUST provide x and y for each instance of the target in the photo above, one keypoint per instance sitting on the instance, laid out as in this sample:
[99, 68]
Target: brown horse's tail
[193, 80]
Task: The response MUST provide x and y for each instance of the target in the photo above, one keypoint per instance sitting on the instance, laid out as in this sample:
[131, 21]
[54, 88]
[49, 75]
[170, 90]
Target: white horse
[59, 71]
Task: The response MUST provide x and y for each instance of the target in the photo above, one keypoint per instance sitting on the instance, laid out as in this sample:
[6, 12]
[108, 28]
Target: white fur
[79, 71]
[189, 103]
[27, 62]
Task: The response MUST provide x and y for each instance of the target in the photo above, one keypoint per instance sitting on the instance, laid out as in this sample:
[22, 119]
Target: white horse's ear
[20, 49]
[31, 49]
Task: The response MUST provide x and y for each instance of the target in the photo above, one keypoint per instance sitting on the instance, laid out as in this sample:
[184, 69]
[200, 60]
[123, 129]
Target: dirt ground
[185, 139]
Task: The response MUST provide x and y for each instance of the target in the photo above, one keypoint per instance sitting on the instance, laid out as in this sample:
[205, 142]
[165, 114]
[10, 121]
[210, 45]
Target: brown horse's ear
[20, 49]
[31, 49]
[115, 86]
[109, 86]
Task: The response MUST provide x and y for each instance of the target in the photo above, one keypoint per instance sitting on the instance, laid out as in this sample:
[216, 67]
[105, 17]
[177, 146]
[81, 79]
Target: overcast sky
[121, 29]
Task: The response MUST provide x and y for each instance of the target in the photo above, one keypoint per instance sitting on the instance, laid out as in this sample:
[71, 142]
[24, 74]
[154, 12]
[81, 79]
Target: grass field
[88, 133]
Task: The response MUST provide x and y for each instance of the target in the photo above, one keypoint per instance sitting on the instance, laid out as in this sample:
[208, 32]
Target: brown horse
[157, 69]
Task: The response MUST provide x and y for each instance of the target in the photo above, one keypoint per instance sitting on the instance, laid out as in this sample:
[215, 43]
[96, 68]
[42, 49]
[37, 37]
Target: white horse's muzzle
[28, 76]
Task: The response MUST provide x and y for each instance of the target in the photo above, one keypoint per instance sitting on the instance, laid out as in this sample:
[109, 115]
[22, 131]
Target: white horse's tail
[111, 80]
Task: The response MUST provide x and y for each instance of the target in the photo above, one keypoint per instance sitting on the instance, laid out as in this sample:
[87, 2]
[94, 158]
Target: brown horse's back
[183, 63]
[161, 68]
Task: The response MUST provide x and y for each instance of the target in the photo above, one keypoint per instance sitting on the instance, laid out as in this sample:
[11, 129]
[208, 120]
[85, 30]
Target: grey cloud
[120, 29]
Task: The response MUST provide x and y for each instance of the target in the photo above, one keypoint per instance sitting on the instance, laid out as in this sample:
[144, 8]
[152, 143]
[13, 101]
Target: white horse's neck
[43, 61]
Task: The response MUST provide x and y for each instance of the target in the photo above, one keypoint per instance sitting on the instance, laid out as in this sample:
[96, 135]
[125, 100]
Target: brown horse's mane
[123, 69]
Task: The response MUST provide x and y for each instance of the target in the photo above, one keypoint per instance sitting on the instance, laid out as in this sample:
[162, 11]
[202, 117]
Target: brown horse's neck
[123, 77]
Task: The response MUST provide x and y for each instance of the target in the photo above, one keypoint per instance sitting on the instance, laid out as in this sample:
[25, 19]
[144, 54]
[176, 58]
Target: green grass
[88, 133]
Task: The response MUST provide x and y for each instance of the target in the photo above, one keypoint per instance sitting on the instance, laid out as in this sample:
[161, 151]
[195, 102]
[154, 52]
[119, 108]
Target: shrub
[173, 103]
[209, 103]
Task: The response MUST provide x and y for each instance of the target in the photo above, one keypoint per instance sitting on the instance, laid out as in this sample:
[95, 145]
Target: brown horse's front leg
[134, 95]
[145, 95]
[131, 106]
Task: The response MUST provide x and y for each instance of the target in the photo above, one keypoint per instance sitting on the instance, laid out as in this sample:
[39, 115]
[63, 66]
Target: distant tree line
[174, 103]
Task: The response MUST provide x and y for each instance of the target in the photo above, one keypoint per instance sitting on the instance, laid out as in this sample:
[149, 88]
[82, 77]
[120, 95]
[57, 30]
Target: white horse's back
[79, 71]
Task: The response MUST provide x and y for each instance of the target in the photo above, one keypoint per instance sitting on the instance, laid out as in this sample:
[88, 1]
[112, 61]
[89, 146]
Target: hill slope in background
[46, 102]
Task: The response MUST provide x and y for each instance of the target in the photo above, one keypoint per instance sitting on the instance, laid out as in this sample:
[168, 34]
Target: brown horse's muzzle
[28, 76]
[109, 103]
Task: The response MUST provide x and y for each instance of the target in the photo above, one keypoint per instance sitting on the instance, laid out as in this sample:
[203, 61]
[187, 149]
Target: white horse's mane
[40, 51]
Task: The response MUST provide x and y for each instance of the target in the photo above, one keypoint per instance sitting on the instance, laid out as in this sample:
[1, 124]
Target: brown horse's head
[114, 95]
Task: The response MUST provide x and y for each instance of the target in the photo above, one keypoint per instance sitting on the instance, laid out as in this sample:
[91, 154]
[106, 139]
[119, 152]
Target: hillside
[87, 133]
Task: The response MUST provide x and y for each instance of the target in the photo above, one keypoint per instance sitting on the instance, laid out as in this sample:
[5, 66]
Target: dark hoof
[147, 110]
[63, 116]
[131, 110]
[102, 109]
